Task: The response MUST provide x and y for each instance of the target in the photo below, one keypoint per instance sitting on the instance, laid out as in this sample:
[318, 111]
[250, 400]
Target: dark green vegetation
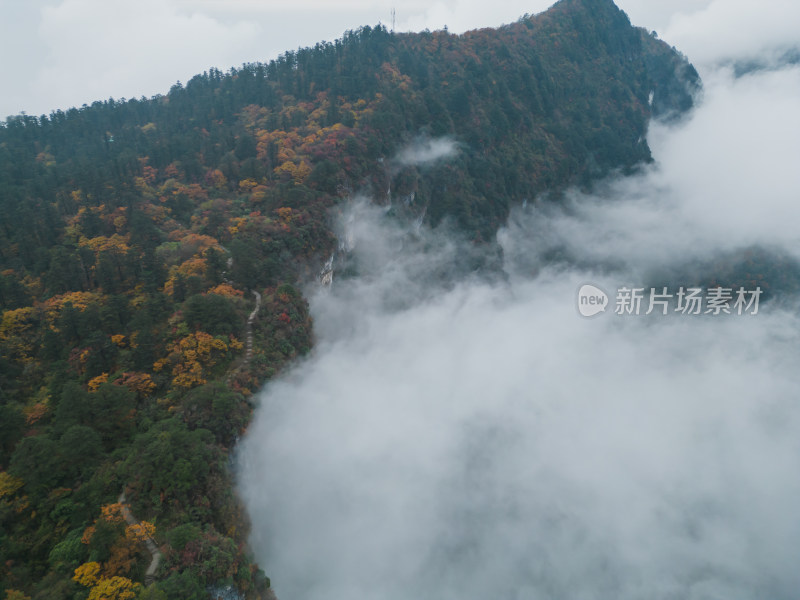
[132, 231]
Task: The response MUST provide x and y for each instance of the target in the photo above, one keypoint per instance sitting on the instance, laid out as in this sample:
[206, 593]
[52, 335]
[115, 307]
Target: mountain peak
[597, 9]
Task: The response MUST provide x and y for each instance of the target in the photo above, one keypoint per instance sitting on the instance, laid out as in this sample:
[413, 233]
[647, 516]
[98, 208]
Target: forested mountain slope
[133, 230]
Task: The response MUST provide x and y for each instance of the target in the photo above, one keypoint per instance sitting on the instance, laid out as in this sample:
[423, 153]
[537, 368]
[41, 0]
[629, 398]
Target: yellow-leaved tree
[87, 574]
[114, 588]
[191, 356]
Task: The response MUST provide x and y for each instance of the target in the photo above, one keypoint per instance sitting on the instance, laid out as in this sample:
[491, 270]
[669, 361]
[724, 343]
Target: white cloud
[744, 159]
[726, 29]
[487, 442]
[425, 151]
[120, 49]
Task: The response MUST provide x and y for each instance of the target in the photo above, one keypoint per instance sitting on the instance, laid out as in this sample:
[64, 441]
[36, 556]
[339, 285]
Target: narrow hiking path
[248, 340]
[249, 328]
[152, 548]
[130, 519]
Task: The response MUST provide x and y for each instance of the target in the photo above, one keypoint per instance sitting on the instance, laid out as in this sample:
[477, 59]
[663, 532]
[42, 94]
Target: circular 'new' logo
[591, 300]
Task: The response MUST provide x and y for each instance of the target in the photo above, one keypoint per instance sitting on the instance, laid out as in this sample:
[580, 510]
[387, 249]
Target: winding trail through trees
[152, 548]
[248, 340]
[249, 328]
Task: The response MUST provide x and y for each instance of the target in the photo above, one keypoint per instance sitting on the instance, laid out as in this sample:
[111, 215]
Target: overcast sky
[62, 53]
